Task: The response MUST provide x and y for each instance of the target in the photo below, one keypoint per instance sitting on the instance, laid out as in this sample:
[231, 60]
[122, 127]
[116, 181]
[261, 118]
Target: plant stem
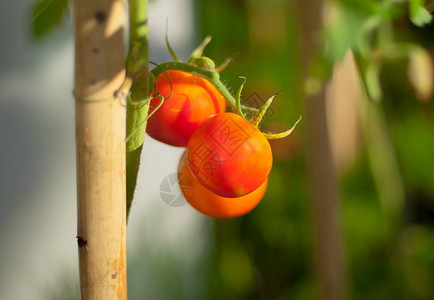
[211, 76]
[137, 74]
[381, 155]
[100, 144]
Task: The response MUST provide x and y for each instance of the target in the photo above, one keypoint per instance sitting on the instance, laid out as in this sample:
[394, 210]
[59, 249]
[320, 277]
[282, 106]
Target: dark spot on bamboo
[82, 241]
[93, 81]
[95, 50]
[114, 275]
[100, 16]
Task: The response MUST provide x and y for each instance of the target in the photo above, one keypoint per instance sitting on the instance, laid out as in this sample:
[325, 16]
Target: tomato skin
[212, 204]
[229, 156]
[193, 100]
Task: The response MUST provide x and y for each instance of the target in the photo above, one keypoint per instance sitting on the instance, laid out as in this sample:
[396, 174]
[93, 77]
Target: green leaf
[372, 81]
[419, 15]
[343, 33]
[46, 15]
[422, 17]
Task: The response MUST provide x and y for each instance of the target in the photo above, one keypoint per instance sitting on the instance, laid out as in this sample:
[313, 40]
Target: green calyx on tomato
[229, 155]
[191, 97]
[183, 97]
[256, 119]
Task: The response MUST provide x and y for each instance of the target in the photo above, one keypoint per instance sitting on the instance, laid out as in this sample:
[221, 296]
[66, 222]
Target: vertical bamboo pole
[323, 191]
[100, 142]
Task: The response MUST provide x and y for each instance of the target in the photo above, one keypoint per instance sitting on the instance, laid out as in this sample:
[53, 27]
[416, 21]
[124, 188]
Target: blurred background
[349, 211]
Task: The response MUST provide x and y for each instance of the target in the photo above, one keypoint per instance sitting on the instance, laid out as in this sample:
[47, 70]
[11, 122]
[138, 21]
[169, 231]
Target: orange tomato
[211, 204]
[229, 156]
[193, 100]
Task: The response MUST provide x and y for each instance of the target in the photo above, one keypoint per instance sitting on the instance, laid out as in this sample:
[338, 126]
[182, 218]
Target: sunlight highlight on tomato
[229, 156]
[194, 99]
[212, 204]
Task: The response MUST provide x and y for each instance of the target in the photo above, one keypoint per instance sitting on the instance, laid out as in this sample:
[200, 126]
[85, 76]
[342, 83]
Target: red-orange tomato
[212, 204]
[229, 156]
[193, 100]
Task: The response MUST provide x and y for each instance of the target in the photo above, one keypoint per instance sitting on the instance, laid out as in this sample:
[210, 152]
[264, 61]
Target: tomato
[229, 156]
[212, 204]
[193, 100]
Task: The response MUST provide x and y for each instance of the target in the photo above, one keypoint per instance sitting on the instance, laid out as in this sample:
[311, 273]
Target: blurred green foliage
[268, 253]
[271, 248]
[46, 15]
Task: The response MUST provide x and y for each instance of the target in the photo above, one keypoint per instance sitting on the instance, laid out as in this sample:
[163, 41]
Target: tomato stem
[211, 76]
[137, 108]
[149, 114]
[235, 103]
[144, 102]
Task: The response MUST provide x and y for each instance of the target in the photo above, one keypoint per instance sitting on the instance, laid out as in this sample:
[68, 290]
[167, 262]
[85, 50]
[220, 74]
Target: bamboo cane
[100, 142]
